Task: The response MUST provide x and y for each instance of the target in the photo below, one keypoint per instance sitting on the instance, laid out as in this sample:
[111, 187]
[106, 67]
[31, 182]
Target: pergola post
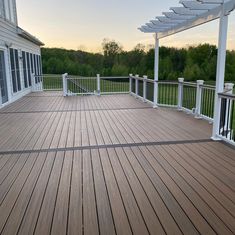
[156, 71]
[220, 72]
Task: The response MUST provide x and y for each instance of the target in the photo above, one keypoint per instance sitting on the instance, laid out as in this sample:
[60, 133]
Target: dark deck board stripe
[106, 146]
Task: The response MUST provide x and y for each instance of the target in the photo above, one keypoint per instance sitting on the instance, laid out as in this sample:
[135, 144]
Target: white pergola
[189, 15]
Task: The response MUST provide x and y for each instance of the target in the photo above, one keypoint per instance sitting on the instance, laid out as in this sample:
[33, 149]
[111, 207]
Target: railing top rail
[207, 87]
[150, 80]
[190, 84]
[115, 77]
[138, 78]
[80, 78]
[168, 82]
[48, 75]
[227, 95]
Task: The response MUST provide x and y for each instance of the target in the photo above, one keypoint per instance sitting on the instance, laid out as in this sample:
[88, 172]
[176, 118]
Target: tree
[110, 49]
[194, 62]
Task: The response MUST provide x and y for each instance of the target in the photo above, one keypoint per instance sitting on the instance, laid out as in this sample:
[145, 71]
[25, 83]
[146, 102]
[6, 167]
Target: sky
[83, 24]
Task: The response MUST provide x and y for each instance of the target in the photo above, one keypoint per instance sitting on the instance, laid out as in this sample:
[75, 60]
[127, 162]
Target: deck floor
[111, 165]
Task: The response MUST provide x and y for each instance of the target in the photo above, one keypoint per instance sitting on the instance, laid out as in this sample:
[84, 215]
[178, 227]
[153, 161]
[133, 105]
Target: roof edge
[24, 34]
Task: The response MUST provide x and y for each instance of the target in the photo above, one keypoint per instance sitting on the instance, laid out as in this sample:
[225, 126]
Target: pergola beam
[192, 14]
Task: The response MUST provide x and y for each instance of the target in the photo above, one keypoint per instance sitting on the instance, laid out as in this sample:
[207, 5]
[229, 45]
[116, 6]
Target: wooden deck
[111, 165]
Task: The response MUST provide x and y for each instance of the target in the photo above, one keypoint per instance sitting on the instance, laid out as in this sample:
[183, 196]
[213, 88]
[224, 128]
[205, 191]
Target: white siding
[10, 38]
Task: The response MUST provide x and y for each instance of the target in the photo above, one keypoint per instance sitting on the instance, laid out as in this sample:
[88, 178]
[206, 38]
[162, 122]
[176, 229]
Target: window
[8, 10]
[15, 70]
[2, 9]
[25, 70]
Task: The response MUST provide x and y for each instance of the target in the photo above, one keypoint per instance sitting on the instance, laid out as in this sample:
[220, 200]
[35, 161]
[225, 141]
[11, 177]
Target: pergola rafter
[193, 13]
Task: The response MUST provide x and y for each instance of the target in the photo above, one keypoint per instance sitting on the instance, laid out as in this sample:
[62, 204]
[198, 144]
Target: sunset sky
[83, 24]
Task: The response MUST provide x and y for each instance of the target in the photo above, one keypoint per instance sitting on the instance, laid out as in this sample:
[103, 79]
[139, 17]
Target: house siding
[9, 38]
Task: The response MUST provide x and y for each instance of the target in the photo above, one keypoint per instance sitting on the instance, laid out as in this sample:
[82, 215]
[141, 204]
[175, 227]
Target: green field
[88, 85]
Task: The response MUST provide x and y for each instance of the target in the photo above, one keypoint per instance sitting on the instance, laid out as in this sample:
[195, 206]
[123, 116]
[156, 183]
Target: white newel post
[220, 73]
[65, 84]
[98, 84]
[229, 90]
[180, 93]
[145, 88]
[156, 71]
[136, 85]
[199, 98]
[130, 83]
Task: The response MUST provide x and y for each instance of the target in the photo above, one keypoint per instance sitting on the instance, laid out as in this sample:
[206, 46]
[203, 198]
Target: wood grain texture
[177, 188]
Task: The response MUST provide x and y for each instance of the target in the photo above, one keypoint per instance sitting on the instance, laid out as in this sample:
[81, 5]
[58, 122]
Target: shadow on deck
[111, 165]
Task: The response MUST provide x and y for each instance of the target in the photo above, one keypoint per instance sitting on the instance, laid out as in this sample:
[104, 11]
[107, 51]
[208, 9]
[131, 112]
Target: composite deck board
[138, 187]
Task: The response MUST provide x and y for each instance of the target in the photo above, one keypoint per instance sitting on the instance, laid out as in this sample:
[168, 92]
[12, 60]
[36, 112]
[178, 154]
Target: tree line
[192, 63]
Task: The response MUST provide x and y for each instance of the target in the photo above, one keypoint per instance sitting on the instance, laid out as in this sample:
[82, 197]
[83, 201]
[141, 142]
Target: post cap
[130, 74]
[181, 79]
[145, 77]
[200, 82]
[229, 86]
[137, 75]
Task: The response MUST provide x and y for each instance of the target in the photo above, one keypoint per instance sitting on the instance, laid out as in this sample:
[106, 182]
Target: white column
[180, 93]
[145, 88]
[156, 71]
[136, 85]
[130, 83]
[65, 84]
[199, 98]
[220, 73]
[98, 84]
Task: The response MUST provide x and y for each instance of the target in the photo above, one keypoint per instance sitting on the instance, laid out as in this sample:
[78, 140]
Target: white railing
[194, 98]
[226, 125]
[113, 85]
[77, 85]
